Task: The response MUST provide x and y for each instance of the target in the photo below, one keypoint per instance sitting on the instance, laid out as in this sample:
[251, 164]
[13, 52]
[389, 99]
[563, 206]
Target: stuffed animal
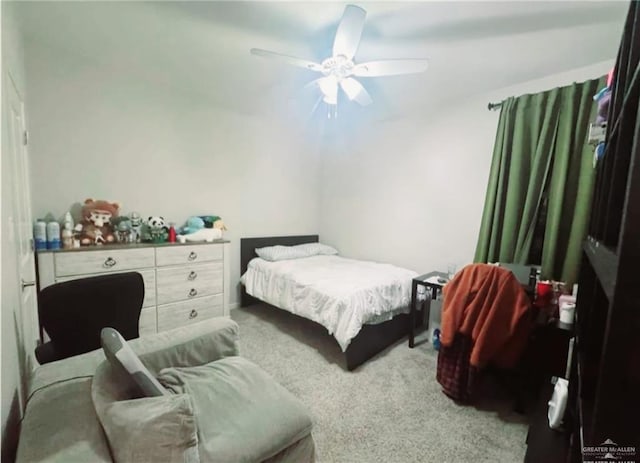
[219, 224]
[603, 107]
[95, 225]
[202, 228]
[209, 220]
[193, 225]
[204, 234]
[157, 232]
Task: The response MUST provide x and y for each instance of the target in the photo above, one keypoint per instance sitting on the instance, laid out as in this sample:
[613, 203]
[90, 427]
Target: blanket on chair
[485, 305]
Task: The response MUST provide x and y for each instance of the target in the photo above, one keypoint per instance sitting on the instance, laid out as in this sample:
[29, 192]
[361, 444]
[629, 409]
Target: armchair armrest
[193, 345]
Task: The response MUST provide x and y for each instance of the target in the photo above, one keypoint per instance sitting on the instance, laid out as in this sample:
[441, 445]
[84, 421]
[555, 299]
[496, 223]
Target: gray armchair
[61, 423]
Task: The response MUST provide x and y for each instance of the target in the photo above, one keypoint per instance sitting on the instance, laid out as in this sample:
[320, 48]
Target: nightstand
[430, 282]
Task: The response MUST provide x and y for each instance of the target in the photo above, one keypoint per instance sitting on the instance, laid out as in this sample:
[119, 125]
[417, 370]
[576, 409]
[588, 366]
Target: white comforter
[339, 293]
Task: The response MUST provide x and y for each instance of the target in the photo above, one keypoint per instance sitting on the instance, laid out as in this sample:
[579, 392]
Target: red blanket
[487, 303]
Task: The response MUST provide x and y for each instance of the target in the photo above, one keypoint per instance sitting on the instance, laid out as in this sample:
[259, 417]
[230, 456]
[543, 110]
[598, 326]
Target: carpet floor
[389, 410]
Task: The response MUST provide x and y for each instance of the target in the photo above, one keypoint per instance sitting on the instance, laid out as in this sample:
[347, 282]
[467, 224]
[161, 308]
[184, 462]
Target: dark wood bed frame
[371, 340]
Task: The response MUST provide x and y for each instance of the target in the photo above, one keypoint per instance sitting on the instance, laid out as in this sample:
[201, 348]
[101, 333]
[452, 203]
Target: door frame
[25, 313]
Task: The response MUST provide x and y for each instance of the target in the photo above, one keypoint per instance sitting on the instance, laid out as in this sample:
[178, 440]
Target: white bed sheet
[339, 293]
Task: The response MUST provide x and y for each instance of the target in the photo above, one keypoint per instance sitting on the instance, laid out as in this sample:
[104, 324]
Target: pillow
[152, 429]
[242, 413]
[277, 253]
[318, 249]
[122, 357]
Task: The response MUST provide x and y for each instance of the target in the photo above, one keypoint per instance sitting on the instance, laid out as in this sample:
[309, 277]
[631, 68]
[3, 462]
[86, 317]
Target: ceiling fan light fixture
[330, 100]
[329, 88]
[339, 69]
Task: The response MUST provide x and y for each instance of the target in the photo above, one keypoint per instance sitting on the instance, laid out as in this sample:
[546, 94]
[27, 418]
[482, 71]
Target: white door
[20, 229]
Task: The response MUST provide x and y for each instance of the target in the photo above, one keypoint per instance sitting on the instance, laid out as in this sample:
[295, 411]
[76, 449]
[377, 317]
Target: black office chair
[74, 312]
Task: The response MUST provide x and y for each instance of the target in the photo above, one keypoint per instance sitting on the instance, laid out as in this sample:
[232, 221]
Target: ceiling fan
[340, 70]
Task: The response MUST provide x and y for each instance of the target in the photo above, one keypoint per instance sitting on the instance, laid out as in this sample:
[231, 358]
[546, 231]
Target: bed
[363, 305]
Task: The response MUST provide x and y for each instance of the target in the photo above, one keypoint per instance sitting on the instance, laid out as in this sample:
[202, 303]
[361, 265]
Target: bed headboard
[248, 251]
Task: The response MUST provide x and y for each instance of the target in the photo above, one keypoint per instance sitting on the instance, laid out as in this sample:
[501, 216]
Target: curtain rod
[494, 106]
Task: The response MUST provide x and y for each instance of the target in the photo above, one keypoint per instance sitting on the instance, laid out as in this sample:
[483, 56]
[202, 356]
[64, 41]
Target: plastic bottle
[40, 234]
[436, 339]
[68, 221]
[67, 237]
[53, 235]
[172, 234]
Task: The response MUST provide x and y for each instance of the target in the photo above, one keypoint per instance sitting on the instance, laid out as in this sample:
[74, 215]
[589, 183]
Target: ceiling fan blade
[390, 67]
[355, 91]
[303, 63]
[349, 31]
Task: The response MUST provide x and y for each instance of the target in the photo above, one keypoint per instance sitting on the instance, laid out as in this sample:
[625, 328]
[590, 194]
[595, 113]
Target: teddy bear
[95, 226]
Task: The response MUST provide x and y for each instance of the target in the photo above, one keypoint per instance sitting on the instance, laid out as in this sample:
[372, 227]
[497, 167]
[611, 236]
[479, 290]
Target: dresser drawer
[148, 323]
[149, 277]
[188, 282]
[189, 254]
[188, 312]
[78, 263]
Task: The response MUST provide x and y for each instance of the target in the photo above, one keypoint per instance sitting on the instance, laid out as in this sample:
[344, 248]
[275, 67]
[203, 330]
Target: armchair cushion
[192, 345]
[158, 428]
[242, 414]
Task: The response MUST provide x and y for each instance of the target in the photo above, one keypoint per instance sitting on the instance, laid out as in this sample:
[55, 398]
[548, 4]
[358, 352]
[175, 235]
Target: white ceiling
[202, 48]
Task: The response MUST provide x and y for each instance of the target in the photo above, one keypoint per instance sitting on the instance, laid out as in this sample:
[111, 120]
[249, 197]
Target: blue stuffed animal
[193, 225]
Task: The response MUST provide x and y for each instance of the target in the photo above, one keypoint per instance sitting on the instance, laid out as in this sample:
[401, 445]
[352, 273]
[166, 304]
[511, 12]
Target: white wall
[12, 63]
[99, 132]
[130, 102]
[411, 191]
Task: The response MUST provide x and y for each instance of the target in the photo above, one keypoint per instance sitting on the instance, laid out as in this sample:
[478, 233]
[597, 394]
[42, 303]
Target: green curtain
[541, 151]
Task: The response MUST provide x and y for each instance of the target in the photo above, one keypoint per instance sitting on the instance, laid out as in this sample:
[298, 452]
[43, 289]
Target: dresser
[183, 283]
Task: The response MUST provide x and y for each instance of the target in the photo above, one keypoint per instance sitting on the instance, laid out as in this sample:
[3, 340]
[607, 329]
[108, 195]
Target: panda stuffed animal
[157, 230]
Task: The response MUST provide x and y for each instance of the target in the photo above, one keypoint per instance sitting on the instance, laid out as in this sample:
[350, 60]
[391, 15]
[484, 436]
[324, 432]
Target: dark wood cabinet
[604, 400]
[602, 420]
[546, 357]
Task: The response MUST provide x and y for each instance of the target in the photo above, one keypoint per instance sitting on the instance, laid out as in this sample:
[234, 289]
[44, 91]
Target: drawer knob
[192, 256]
[192, 275]
[193, 314]
[193, 292]
[110, 262]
